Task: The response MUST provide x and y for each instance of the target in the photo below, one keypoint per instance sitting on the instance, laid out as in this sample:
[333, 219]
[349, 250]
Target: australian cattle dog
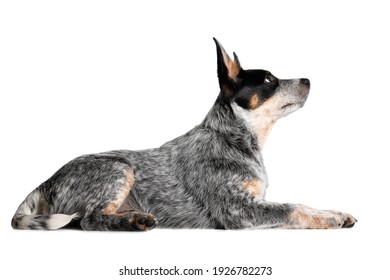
[212, 177]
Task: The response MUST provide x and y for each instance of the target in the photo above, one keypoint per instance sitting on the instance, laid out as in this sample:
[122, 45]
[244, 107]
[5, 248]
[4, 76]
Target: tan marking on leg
[306, 217]
[254, 102]
[110, 208]
[113, 206]
[255, 188]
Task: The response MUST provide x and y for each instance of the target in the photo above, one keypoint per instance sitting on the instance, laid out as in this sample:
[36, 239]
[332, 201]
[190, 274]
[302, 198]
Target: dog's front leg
[303, 216]
[265, 214]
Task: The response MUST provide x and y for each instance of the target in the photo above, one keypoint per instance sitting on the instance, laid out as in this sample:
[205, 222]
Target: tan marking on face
[254, 101]
[254, 188]
[113, 206]
[271, 106]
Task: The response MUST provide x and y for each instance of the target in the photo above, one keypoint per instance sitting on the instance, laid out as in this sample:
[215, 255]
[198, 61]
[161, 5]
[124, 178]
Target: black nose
[305, 81]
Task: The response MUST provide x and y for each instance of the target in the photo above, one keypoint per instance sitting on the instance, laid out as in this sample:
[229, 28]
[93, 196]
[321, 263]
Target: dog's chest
[255, 185]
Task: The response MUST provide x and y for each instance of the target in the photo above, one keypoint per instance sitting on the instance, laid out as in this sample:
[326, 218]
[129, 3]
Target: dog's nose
[305, 81]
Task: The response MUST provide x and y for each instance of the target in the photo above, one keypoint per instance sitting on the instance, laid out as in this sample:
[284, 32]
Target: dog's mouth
[288, 105]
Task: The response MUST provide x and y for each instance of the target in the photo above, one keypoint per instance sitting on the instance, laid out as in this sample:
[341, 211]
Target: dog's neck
[258, 121]
[223, 120]
[250, 127]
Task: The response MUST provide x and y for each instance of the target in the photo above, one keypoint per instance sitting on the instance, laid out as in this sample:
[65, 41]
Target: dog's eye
[269, 78]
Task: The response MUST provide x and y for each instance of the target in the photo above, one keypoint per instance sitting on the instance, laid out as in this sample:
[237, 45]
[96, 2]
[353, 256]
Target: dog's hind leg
[120, 213]
[127, 221]
[92, 191]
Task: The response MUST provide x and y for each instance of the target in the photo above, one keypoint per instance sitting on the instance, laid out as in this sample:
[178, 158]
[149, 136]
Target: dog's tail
[33, 213]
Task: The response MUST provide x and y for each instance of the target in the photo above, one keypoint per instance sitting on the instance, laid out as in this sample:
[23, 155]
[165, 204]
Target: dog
[212, 177]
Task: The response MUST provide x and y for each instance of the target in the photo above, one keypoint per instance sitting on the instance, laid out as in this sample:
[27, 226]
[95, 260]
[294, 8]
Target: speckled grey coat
[211, 177]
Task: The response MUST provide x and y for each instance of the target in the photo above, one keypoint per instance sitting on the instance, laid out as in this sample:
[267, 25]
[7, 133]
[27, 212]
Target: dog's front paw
[344, 220]
[306, 217]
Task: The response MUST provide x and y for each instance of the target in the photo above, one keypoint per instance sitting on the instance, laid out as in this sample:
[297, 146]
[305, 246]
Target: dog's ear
[228, 69]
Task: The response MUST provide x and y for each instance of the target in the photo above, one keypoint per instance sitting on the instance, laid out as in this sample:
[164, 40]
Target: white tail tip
[57, 221]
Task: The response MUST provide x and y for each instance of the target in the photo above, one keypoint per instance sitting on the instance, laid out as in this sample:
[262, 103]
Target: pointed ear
[236, 60]
[228, 69]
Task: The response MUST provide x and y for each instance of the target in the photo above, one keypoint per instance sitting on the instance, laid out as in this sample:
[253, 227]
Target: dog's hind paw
[143, 221]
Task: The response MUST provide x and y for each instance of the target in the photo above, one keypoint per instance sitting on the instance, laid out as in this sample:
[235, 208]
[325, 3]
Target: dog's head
[257, 95]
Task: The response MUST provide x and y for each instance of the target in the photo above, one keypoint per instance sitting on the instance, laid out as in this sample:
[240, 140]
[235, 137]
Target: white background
[79, 77]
